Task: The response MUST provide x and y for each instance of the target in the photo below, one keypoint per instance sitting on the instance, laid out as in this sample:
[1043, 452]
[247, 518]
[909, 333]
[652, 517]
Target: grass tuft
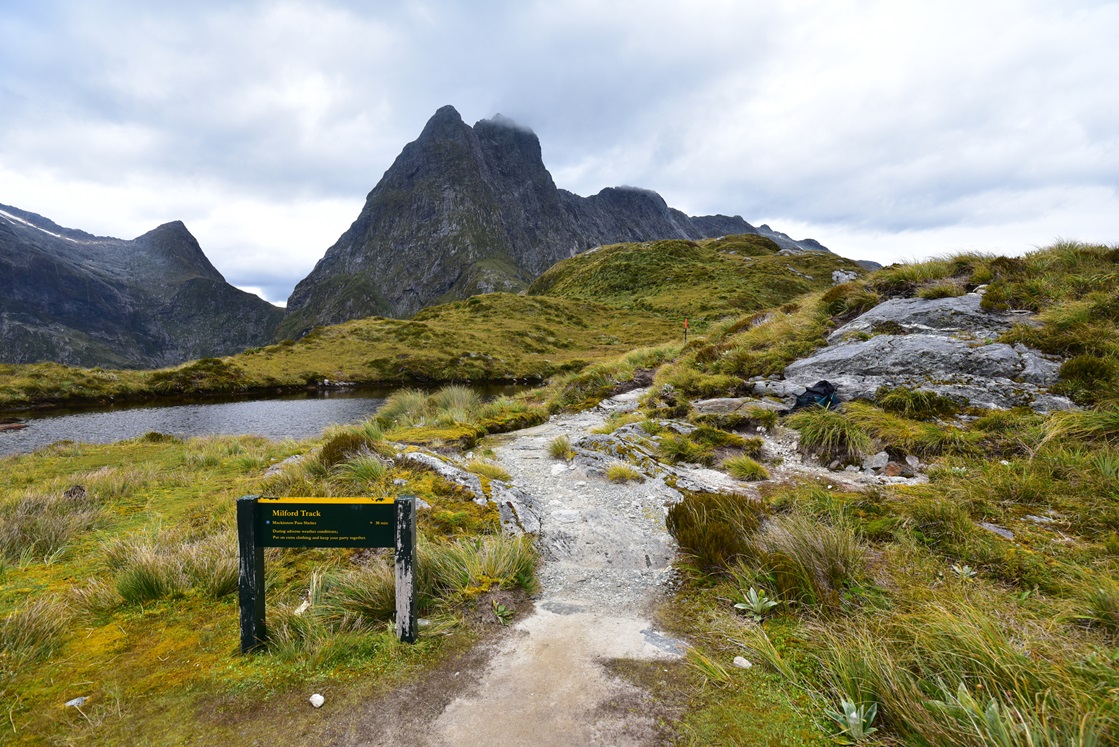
[745, 468]
[623, 473]
[33, 632]
[560, 448]
[830, 434]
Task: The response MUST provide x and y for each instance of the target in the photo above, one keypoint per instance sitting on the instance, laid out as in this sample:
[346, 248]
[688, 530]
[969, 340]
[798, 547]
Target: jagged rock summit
[467, 210]
[71, 297]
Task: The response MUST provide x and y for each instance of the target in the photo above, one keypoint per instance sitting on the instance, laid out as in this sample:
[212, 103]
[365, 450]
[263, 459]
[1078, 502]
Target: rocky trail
[606, 558]
[605, 565]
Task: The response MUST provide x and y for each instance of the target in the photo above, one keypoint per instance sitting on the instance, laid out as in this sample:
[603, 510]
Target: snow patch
[16, 219]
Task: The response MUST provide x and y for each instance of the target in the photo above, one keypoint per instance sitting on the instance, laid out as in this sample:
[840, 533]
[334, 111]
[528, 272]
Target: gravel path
[606, 557]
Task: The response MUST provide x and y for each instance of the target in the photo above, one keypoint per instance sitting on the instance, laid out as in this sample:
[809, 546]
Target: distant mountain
[466, 210]
[84, 300]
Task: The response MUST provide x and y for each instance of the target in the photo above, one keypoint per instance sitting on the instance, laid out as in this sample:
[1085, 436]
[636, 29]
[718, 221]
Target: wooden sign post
[324, 522]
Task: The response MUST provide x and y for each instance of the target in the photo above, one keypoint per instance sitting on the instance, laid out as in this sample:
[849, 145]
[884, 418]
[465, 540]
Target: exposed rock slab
[946, 347]
[961, 315]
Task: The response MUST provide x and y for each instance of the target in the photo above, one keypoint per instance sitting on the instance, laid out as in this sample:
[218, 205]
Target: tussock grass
[745, 468]
[489, 470]
[37, 526]
[363, 596]
[676, 449]
[365, 470]
[830, 434]
[713, 529]
[211, 564]
[1101, 603]
[623, 473]
[810, 563]
[560, 448]
[955, 676]
[917, 404]
[468, 567]
[147, 574]
[33, 632]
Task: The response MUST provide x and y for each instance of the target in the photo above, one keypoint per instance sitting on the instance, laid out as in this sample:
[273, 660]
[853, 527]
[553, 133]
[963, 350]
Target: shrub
[623, 473]
[745, 468]
[713, 528]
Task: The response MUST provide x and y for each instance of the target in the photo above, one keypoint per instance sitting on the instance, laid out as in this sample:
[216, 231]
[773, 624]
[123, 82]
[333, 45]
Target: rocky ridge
[466, 210]
[71, 297]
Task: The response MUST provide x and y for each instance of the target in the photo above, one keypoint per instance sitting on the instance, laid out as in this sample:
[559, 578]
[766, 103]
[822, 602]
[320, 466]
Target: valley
[914, 563]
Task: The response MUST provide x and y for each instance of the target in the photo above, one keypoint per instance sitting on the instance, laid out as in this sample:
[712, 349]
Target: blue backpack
[821, 394]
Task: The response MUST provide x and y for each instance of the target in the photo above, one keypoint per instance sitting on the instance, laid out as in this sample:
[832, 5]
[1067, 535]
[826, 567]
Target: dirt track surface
[605, 565]
[606, 558]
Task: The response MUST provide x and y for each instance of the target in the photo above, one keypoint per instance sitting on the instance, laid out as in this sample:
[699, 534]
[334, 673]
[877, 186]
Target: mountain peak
[446, 120]
[465, 210]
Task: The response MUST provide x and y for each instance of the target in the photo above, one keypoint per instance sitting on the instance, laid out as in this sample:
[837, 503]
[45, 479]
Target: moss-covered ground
[119, 566]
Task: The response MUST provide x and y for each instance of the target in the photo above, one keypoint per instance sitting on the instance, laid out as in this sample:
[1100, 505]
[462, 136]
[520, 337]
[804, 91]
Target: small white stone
[317, 700]
[742, 663]
[76, 702]
[558, 469]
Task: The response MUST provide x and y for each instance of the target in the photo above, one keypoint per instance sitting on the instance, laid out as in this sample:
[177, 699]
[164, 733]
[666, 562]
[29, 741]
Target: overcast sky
[889, 130]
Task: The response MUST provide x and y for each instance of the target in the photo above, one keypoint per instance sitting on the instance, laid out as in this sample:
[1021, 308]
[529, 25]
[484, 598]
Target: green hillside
[494, 337]
[702, 281]
[892, 609]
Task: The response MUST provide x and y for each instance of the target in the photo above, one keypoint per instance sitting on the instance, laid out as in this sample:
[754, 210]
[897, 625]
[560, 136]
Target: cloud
[875, 127]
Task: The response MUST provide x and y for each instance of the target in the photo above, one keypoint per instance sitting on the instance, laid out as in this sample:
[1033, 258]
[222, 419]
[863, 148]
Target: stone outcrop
[945, 346]
[467, 210]
[70, 297]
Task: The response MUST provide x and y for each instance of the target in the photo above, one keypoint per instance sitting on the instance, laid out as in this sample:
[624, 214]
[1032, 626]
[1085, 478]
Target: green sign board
[325, 522]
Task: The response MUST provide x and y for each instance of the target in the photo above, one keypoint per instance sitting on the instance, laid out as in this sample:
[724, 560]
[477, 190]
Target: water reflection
[302, 416]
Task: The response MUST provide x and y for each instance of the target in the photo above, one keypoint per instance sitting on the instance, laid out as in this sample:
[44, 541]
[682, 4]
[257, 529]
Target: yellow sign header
[337, 501]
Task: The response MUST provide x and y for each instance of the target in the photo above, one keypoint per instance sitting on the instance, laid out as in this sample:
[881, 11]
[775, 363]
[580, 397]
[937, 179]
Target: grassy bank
[977, 609]
[119, 570]
[495, 337]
